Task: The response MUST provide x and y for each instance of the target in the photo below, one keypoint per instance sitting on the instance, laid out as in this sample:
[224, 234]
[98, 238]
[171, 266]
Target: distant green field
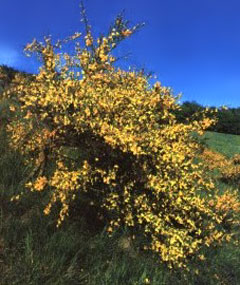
[226, 144]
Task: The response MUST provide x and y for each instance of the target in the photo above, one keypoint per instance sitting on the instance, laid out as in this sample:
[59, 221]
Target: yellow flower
[146, 281]
[40, 183]
[126, 33]
[88, 40]
[112, 59]
[12, 108]
[28, 115]
[201, 257]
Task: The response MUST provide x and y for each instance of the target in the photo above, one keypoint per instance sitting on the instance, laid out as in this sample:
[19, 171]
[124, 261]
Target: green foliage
[227, 119]
[189, 111]
[6, 76]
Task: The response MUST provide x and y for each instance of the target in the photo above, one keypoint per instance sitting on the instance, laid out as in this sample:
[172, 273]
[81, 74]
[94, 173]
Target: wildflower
[88, 39]
[12, 108]
[40, 183]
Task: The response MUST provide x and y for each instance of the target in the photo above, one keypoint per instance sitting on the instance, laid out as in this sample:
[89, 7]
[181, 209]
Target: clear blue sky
[192, 46]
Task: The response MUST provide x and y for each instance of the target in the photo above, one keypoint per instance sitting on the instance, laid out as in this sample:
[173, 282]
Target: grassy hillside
[224, 143]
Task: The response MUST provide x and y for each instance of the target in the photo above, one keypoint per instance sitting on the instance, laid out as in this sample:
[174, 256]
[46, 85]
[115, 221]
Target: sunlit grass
[224, 143]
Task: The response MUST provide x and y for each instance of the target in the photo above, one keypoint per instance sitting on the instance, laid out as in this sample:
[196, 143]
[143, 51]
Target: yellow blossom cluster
[229, 168]
[109, 134]
[214, 159]
[227, 209]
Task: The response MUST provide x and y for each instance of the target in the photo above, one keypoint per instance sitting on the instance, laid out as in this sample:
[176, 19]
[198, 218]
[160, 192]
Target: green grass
[33, 251]
[223, 143]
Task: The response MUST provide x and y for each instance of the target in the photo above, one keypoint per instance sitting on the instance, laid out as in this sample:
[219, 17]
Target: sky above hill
[192, 46]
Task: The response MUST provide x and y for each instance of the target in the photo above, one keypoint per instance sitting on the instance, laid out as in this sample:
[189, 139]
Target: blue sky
[192, 46]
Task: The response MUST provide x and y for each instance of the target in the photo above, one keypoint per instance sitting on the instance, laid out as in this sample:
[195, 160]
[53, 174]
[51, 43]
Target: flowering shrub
[226, 205]
[227, 208]
[108, 134]
[214, 159]
[231, 174]
[229, 168]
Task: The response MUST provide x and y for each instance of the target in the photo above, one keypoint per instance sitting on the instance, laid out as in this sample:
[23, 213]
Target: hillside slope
[226, 144]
